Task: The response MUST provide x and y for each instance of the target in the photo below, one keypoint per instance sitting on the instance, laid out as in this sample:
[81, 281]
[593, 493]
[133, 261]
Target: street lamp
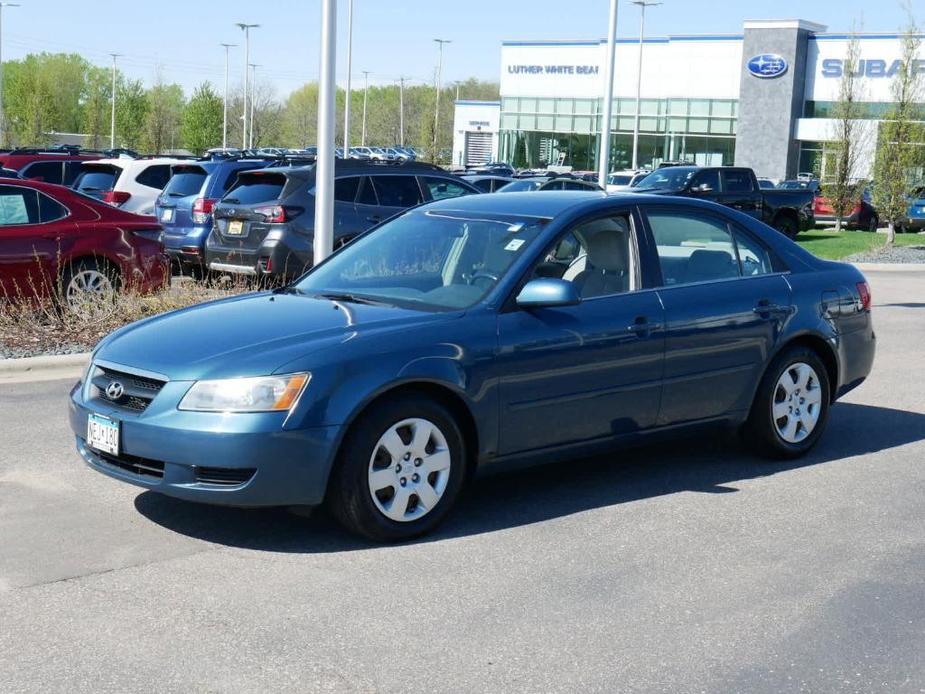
[253, 67]
[603, 159]
[246, 28]
[349, 68]
[365, 90]
[225, 104]
[2, 124]
[440, 43]
[643, 4]
[112, 127]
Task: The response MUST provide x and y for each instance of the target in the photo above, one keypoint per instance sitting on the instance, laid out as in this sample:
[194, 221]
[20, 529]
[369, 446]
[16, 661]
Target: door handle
[375, 219]
[642, 326]
[765, 308]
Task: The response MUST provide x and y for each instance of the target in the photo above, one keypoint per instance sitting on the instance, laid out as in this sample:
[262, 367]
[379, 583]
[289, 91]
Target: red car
[54, 240]
[51, 166]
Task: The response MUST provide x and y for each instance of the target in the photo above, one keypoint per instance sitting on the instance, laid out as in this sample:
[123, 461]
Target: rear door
[739, 192]
[349, 220]
[726, 301]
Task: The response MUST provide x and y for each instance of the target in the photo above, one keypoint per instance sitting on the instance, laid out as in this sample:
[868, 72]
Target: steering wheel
[481, 275]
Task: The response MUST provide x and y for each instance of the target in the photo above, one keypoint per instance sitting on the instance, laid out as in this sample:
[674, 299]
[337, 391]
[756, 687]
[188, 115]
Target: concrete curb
[44, 368]
[890, 267]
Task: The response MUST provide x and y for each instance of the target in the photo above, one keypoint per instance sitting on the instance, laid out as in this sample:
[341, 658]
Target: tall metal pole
[643, 4]
[112, 125]
[401, 111]
[365, 92]
[603, 158]
[225, 100]
[2, 123]
[440, 43]
[349, 68]
[253, 67]
[323, 243]
[246, 28]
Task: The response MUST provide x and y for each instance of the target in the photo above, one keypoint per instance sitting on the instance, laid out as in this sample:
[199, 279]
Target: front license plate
[103, 434]
[167, 215]
[235, 228]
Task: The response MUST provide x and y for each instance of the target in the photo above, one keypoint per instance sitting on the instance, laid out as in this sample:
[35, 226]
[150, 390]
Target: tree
[131, 112]
[841, 185]
[96, 106]
[201, 127]
[162, 120]
[900, 140]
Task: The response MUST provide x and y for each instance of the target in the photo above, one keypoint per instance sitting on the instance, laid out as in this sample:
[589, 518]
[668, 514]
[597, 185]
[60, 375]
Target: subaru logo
[115, 390]
[767, 65]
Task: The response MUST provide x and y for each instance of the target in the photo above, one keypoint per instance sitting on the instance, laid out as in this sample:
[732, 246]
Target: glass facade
[537, 132]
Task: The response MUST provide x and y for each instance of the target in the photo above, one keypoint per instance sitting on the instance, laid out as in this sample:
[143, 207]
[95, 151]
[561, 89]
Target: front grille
[224, 476]
[137, 391]
[133, 464]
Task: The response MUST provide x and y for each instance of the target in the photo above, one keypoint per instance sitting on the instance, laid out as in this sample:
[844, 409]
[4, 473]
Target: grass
[835, 246]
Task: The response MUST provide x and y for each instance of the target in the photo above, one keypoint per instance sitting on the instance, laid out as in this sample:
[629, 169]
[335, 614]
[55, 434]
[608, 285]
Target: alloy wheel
[797, 402]
[88, 283]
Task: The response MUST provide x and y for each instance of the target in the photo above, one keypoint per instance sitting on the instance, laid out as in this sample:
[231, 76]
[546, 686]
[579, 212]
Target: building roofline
[478, 102]
[803, 24]
[635, 41]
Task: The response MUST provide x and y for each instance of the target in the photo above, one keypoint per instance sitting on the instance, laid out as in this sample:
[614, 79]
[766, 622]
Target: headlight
[261, 394]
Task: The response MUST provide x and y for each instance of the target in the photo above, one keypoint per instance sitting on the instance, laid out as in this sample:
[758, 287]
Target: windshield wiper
[352, 298]
[289, 289]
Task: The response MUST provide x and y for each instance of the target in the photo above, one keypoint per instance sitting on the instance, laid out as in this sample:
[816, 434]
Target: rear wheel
[88, 281]
[787, 226]
[791, 406]
[400, 469]
[873, 223]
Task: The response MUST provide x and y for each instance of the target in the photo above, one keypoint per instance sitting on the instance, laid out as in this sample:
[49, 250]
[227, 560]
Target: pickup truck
[788, 211]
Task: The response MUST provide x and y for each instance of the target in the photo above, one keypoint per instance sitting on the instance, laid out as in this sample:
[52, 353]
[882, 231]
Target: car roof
[125, 163]
[531, 204]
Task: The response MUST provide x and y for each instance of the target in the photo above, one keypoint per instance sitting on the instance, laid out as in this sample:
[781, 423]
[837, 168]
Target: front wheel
[791, 406]
[399, 471]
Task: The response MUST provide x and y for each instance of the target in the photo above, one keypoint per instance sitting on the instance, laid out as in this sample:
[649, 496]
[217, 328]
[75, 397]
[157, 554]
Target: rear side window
[753, 257]
[397, 191]
[442, 188]
[18, 206]
[185, 181]
[72, 170]
[155, 176]
[345, 189]
[48, 171]
[483, 184]
[254, 188]
[737, 182]
[692, 247]
[50, 210]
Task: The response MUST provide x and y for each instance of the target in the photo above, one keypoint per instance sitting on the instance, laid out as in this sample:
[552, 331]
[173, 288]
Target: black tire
[761, 430]
[872, 223]
[787, 226]
[349, 497]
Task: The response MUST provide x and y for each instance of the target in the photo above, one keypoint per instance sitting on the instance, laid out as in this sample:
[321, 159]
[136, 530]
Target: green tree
[201, 127]
[96, 106]
[162, 120]
[900, 140]
[131, 113]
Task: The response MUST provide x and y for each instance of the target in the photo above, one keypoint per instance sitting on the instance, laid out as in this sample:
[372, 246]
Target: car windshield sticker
[514, 244]
[514, 228]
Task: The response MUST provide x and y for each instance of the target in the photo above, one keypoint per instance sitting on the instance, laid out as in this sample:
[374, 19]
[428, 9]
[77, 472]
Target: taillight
[202, 208]
[864, 294]
[273, 214]
[116, 197]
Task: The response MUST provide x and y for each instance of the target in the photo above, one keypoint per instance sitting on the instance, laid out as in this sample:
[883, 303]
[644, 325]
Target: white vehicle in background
[129, 184]
[622, 181]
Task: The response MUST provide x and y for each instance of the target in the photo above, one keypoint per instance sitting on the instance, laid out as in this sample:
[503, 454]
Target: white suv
[130, 184]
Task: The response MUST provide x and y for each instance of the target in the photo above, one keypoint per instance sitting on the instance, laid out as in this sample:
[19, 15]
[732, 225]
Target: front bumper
[247, 460]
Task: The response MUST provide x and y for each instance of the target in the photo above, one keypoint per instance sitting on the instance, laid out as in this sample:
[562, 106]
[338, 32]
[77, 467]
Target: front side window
[692, 247]
[397, 191]
[427, 258]
[18, 206]
[706, 180]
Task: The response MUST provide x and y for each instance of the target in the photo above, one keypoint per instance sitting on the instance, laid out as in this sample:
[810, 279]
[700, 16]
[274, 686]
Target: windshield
[97, 180]
[522, 185]
[254, 188]
[426, 258]
[185, 181]
[669, 178]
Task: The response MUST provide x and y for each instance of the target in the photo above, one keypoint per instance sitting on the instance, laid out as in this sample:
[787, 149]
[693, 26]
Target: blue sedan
[472, 334]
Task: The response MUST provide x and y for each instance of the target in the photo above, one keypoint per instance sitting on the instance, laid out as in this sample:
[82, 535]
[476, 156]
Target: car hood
[249, 335]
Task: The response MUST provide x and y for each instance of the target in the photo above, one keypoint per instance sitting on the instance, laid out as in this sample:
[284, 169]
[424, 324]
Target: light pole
[323, 242]
[253, 67]
[401, 111]
[603, 159]
[440, 43]
[112, 125]
[246, 28]
[365, 90]
[349, 68]
[2, 123]
[225, 100]
[643, 4]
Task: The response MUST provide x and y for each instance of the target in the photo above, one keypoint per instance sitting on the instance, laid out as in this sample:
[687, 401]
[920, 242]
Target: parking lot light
[440, 43]
[246, 28]
[112, 131]
[349, 68]
[643, 4]
[603, 159]
[225, 104]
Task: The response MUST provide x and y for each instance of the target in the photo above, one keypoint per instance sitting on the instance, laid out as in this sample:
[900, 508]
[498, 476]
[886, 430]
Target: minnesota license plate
[103, 434]
[235, 228]
[167, 214]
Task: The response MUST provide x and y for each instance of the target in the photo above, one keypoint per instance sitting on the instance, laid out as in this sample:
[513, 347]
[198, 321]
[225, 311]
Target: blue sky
[391, 37]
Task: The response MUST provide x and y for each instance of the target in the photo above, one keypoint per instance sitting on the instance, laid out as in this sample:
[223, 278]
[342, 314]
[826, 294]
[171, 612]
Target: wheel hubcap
[88, 283]
[406, 493]
[797, 403]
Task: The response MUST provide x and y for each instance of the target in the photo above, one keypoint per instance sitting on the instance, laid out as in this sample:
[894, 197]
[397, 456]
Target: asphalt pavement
[690, 567]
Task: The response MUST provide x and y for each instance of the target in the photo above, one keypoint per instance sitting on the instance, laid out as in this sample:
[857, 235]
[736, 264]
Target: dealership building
[763, 98]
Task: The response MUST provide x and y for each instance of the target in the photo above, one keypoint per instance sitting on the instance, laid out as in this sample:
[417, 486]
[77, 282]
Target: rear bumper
[186, 245]
[856, 352]
[916, 223]
[280, 254]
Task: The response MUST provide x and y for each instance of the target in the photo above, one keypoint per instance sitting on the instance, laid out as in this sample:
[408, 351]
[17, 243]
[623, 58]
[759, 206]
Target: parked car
[492, 168]
[264, 225]
[523, 185]
[487, 183]
[362, 153]
[916, 214]
[569, 183]
[788, 211]
[766, 184]
[54, 241]
[862, 216]
[184, 207]
[622, 181]
[129, 184]
[51, 166]
[446, 343]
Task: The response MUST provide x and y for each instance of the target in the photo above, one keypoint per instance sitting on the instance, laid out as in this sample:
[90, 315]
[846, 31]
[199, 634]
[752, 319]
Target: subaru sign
[767, 65]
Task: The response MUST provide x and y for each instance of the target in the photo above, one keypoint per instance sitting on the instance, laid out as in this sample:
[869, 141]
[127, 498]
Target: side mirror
[548, 292]
[703, 188]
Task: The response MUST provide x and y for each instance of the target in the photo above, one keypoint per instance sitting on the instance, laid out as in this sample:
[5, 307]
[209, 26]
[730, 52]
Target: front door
[590, 371]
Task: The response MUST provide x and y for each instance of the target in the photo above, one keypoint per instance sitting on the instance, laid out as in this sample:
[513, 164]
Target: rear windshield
[97, 179]
[185, 181]
[253, 188]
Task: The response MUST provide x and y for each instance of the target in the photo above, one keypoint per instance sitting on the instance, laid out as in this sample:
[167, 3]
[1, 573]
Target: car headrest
[710, 264]
[607, 250]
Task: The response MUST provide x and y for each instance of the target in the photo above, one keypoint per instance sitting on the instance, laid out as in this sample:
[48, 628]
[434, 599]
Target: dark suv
[264, 226]
[184, 208]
